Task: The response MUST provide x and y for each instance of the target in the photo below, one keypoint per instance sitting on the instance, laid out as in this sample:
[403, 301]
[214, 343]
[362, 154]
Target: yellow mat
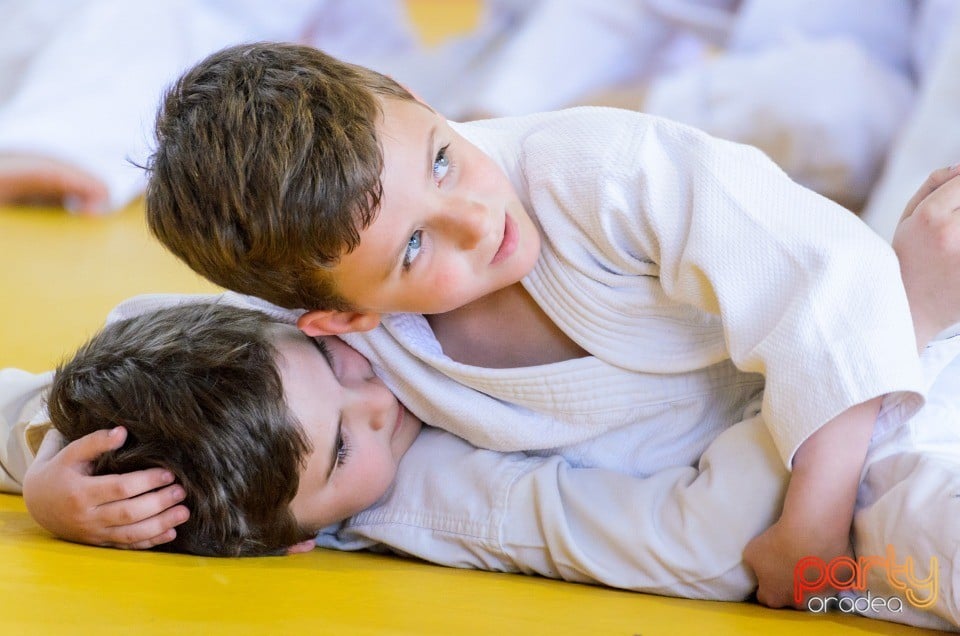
[61, 275]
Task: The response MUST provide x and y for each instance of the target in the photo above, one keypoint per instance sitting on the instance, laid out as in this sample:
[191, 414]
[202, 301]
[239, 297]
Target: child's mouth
[398, 424]
[508, 244]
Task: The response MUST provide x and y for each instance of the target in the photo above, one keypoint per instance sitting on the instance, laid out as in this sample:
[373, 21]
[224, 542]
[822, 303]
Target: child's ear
[329, 322]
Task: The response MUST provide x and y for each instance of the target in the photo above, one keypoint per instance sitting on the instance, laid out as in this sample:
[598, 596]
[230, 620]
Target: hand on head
[36, 180]
[136, 510]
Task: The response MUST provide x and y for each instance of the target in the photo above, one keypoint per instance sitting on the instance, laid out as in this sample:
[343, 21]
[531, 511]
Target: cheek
[490, 180]
[378, 476]
[450, 287]
[531, 246]
[447, 281]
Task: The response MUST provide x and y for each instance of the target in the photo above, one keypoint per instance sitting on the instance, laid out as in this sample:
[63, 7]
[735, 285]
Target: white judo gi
[685, 265]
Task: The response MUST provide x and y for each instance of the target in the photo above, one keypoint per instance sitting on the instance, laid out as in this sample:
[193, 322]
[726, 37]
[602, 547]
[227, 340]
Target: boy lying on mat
[276, 437]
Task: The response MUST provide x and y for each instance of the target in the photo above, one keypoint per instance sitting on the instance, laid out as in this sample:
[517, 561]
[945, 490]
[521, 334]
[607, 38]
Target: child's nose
[373, 404]
[466, 221]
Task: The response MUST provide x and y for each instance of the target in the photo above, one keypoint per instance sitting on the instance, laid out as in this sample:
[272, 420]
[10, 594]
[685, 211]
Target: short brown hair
[267, 167]
[198, 389]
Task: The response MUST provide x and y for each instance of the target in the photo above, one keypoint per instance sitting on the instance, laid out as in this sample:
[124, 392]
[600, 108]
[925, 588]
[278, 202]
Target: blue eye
[441, 164]
[413, 249]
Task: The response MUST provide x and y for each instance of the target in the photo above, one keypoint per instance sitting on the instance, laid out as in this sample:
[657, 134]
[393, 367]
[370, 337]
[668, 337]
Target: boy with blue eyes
[549, 264]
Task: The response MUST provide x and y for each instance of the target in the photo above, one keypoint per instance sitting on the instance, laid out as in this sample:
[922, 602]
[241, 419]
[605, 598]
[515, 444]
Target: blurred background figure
[81, 79]
[822, 86]
[561, 52]
[931, 137]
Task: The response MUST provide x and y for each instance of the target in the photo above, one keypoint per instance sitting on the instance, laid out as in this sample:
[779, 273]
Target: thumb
[92, 445]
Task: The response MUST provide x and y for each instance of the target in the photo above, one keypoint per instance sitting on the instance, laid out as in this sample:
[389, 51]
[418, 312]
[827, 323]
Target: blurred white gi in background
[821, 86]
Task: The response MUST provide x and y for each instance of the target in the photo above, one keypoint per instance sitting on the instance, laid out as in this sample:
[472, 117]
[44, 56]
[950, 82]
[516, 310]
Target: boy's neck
[503, 330]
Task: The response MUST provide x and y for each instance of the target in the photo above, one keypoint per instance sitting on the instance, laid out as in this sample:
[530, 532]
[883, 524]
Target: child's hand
[774, 554]
[818, 506]
[135, 510]
[927, 242]
[43, 180]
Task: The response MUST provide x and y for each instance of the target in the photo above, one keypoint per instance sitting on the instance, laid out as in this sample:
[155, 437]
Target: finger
[50, 182]
[148, 530]
[771, 600]
[50, 446]
[92, 445]
[160, 539]
[126, 487]
[763, 597]
[946, 198]
[85, 204]
[30, 186]
[138, 508]
[936, 179]
[80, 191]
[304, 546]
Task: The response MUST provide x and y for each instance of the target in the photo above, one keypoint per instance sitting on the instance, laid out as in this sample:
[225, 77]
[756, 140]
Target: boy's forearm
[924, 328]
[818, 507]
[826, 474]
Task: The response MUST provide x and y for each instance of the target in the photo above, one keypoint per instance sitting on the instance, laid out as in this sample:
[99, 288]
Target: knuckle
[122, 489]
[125, 516]
[75, 500]
[124, 537]
[930, 220]
[946, 236]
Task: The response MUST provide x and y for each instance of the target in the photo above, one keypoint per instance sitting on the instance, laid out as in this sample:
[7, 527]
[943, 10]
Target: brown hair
[198, 389]
[267, 167]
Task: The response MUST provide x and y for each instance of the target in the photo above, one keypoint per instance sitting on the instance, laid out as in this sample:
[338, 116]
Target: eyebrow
[328, 358]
